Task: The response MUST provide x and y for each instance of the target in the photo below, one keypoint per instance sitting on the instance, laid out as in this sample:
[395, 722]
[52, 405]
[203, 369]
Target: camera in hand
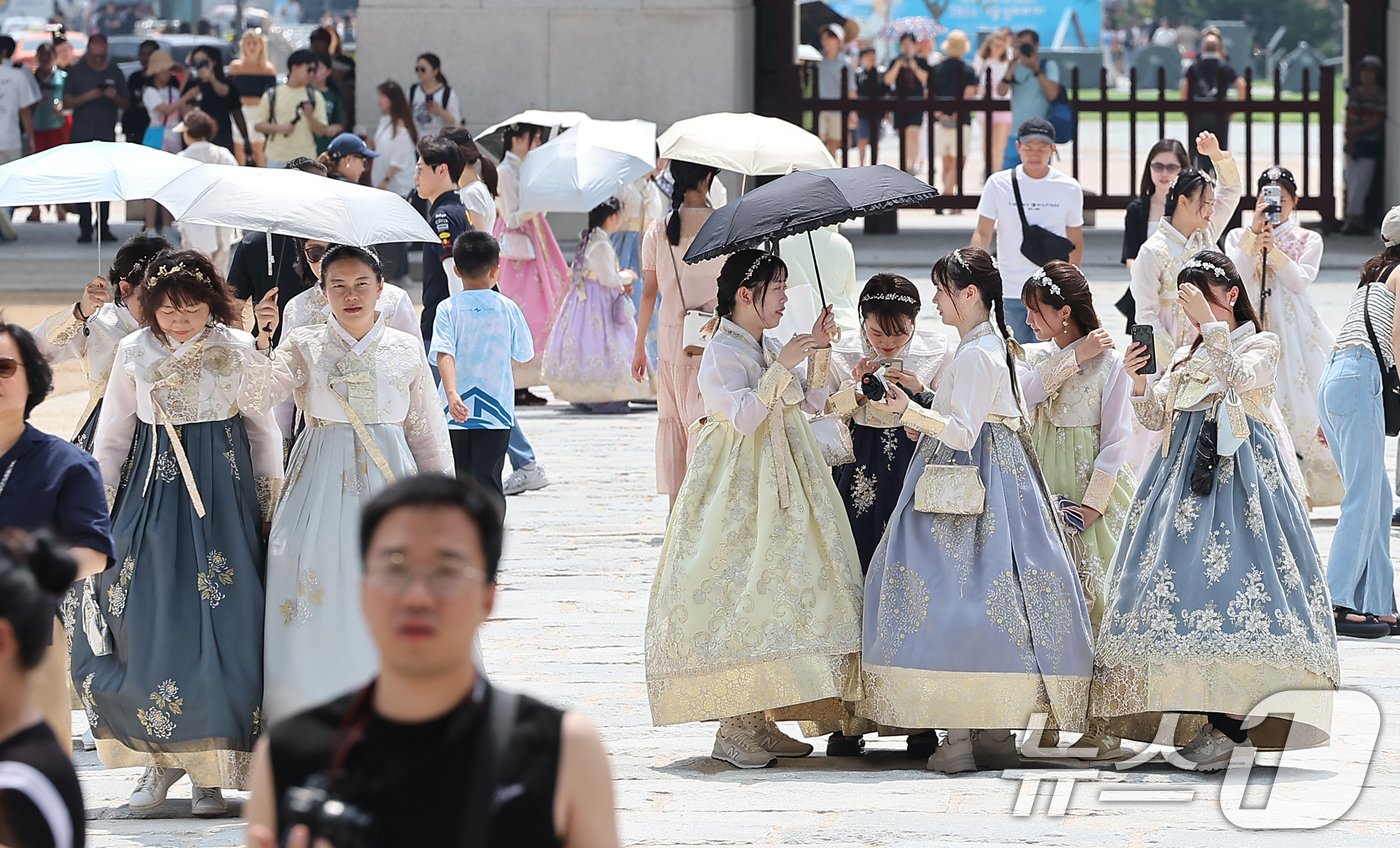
[1273, 196]
[343, 825]
[873, 387]
[1027, 50]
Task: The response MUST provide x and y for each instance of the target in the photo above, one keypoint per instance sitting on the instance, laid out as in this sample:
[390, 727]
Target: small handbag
[948, 489]
[516, 246]
[693, 337]
[834, 436]
[1204, 459]
[1390, 381]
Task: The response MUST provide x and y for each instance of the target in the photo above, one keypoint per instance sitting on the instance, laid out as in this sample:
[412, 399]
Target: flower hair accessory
[891, 296]
[1041, 279]
[958, 258]
[1199, 265]
[748, 275]
[178, 268]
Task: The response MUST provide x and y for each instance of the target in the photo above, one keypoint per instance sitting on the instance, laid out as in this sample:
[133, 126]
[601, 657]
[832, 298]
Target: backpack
[1061, 115]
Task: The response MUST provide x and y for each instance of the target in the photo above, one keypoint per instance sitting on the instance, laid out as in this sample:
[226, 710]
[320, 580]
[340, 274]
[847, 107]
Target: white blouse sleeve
[425, 428]
[1228, 191]
[117, 424]
[404, 317]
[602, 261]
[1146, 288]
[1296, 276]
[979, 380]
[61, 337]
[813, 376]
[508, 199]
[1115, 435]
[724, 384]
[1043, 377]
[264, 436]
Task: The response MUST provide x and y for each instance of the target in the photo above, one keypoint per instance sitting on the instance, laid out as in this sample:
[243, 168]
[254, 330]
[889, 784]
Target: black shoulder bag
[1390, 381]
[1038, 244]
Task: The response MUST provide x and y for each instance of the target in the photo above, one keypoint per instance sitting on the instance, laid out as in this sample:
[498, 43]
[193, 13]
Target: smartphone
[893, 363]
[1274, 195]
[1142, 334]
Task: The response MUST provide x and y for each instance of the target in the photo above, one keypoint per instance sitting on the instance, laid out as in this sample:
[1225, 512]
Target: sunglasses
[315, 254]
[9, 366]
[1166, 168]
[420, 70]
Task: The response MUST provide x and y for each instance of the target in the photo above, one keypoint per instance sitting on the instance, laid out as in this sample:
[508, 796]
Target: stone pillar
[660, 60]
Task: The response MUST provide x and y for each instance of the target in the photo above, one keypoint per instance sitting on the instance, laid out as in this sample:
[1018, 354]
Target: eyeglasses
[420, 69]
[443, 581]
[9, 367]
[315, 254]
[1166, 168]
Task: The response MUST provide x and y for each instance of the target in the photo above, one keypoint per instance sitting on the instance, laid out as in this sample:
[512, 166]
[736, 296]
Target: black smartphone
[1142, 334]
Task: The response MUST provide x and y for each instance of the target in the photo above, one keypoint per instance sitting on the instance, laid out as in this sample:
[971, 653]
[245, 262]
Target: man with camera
[430, 752]
[96, 93]
[293, 114]
[1033, 83]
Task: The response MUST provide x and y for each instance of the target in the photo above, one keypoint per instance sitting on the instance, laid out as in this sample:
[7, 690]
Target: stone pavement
[569, 621]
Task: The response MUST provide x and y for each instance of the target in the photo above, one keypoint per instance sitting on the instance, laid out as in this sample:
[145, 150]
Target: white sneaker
[151, 788]
[736, 745]
[89, 741]
[208, 802]
[530, 478]
[1211, 750]
[996, 749]
[954, 756]
[778, 743]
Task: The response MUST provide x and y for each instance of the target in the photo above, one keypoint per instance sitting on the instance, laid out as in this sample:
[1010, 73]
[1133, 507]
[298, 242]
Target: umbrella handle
[101, 225]
[817, 268]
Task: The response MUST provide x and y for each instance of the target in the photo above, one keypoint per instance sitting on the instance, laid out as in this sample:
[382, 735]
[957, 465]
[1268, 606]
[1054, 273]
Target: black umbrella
[813, 16]
[804, 201]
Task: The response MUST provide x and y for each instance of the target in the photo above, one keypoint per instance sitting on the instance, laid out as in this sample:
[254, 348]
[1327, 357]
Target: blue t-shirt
[1028, 99]
[51, 484]
[483, 331]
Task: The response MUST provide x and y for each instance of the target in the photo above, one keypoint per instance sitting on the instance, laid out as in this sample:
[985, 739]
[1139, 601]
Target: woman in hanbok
[642, 203]
[372, 417]
[1197, 211]
[1217, 598]
[1081, 419]
[169, 660]
[1278, 263]
[533, 272]
[311, 307]
[681, 287]
[92, 328]
[588, 358]
[891, 347]
[756, 601]
[974, 615]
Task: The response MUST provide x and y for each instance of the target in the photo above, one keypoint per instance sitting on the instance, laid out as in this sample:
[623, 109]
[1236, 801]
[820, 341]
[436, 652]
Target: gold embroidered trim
[768, 685]
[819, 367]
[908, 697]
[1100, 490]
[926, 421]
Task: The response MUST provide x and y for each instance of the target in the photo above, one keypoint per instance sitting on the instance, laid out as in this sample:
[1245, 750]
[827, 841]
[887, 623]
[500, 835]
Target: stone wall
[659, 60]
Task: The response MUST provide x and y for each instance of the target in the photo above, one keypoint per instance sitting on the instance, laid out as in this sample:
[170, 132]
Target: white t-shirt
[151, 97]
[17, 91]
[481, 206]
[428, 123]
[1055, 202]
[396, 150]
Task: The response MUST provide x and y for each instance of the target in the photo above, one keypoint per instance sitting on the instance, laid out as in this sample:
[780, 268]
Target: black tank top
[413, 779]
[40, 801]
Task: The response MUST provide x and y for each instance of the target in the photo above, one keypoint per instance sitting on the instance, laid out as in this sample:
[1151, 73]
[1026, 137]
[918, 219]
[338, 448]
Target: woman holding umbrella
[681, 287]
[91, 329]
[533, 271]
[170, 661]
[756, 601]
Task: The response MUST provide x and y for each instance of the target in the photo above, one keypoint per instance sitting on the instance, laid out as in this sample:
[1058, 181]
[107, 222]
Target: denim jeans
[1359, 571]
[1016, 321]
[519, 450]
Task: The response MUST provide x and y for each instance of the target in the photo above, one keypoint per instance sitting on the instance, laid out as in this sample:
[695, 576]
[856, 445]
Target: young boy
[482, 330]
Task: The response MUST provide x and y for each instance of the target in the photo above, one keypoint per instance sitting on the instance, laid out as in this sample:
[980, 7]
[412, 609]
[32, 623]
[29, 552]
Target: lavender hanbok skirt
[976, 621]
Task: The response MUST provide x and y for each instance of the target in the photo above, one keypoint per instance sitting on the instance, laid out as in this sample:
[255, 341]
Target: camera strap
[495, 734]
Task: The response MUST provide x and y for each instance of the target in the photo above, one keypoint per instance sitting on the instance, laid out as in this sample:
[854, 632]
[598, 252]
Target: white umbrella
[293, 203]
[745, 143]
[493, 137]
[90, 172]
[586, 165]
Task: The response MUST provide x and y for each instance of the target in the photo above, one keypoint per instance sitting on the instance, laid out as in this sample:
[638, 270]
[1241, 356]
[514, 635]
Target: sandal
[1371, 628]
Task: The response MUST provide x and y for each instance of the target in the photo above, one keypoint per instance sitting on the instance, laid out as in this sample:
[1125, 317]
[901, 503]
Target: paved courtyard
[568, 627]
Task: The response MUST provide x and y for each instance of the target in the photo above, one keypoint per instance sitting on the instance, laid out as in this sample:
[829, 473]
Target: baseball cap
[1036, 129]
[349, 144]
[836, 30]
[1390, 227]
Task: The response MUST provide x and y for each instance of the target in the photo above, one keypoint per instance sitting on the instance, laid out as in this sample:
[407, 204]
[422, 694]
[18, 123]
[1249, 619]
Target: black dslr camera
[344, 825]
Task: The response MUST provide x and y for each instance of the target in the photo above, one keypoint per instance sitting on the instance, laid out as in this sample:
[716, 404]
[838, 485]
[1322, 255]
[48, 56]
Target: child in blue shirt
[483, 331]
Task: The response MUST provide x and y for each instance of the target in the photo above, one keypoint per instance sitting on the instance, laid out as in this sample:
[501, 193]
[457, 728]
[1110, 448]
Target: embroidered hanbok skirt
[1216, 602]
[976, 621]
[755, 605]
[628, 245]
[318, 646]
[88, 428]
[1066, 456]
[535, 285]
[870, 486]
[588, 358]
[182, 685]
